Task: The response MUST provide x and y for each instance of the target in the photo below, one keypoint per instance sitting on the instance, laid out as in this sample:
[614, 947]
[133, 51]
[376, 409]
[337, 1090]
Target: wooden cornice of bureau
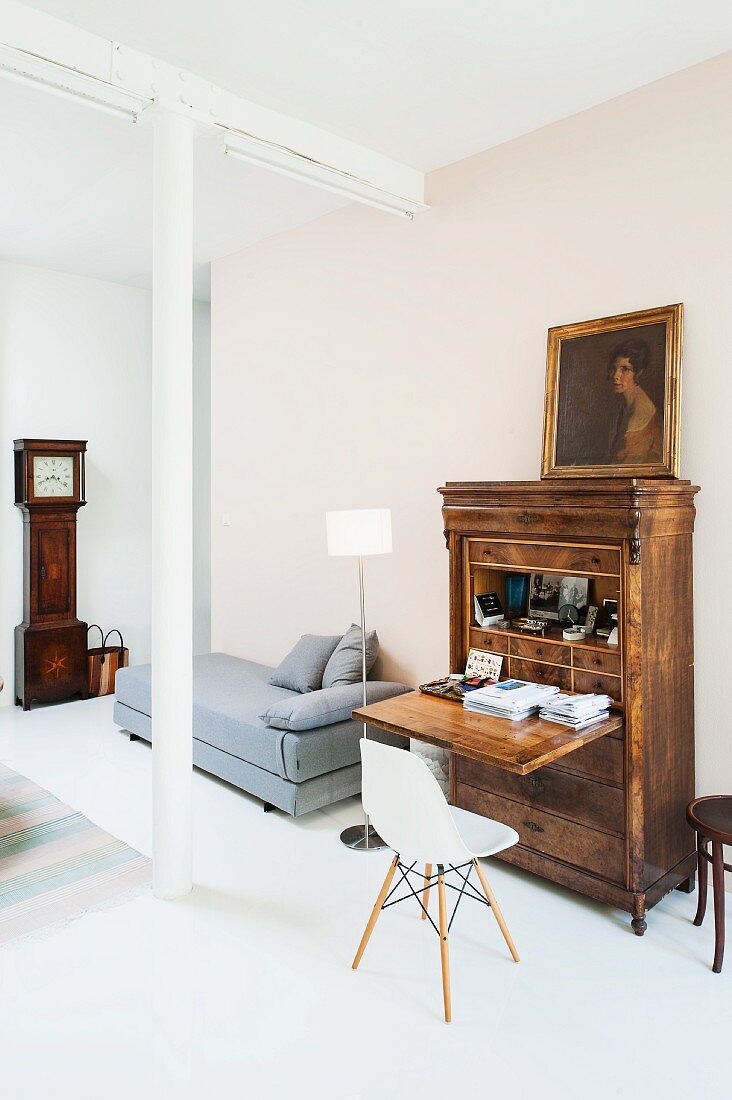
[614, 508]
[568, 493]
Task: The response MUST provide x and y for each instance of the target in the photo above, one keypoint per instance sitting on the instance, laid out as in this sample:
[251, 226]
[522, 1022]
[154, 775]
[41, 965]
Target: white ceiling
[76, 193]
[424, 81]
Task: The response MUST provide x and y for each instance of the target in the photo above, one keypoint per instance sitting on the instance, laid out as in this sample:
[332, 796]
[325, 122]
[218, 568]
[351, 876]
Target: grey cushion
[229, 694]
[307, 753]
[303, 667]
[324, 707]
[295, 798]
[344, 665]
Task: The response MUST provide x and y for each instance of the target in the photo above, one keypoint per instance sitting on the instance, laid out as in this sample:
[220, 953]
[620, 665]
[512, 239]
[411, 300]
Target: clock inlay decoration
[50, 643]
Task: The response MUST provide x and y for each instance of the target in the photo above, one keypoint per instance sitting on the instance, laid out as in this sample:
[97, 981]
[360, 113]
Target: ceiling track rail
[289, 162]
[132, 83]
[33, 69]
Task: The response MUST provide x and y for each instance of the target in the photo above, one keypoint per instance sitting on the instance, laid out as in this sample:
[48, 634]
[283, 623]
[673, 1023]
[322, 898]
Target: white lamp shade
[359, 532]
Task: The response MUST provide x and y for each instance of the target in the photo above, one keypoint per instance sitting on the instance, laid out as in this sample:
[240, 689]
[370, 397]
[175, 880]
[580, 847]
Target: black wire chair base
[467, 889]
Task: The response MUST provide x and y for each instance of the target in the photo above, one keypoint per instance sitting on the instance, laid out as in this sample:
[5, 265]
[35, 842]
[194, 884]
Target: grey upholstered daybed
[297, 770]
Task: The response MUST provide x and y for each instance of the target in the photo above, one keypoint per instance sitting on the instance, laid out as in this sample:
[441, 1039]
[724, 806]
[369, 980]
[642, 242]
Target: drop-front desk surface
[517, 747]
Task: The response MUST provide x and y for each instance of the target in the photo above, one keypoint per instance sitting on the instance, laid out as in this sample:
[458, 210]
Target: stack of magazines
[512, 699]
[576, 711]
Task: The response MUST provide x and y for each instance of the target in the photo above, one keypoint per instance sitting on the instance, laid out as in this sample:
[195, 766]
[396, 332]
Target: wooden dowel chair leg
[496, 911]
[444, 949]
[718, 886]
[702, 867]
[426, 899]
[376, 910]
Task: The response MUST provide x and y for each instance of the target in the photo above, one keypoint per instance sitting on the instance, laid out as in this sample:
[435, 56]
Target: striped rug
[55, 864]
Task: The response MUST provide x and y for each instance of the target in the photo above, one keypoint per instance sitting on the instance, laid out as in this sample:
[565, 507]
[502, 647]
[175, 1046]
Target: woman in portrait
[638, 433]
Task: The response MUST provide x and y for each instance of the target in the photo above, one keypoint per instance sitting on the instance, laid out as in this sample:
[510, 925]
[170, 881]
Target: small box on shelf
[488, 609]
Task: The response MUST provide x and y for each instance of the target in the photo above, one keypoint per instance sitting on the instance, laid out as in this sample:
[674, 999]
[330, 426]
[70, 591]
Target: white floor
[245, 988]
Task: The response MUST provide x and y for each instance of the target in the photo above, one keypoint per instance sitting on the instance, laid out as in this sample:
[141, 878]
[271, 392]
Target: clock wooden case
[51, 642]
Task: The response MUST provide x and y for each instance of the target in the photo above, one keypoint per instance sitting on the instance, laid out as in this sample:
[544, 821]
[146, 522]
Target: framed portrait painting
[613, 390]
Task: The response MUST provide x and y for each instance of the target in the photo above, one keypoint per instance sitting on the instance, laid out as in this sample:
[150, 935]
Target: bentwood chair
[409, 811]
[711, 819]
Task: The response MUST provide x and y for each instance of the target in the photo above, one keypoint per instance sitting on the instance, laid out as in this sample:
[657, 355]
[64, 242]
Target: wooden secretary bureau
[603, 811]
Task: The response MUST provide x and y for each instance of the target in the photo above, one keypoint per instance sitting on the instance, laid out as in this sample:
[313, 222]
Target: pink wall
[361, 361]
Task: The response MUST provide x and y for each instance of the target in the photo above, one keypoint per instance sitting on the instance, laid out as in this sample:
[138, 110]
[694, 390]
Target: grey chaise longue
[294, 769]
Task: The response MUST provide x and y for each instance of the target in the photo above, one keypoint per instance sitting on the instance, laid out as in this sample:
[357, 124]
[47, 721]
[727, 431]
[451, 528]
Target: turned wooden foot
[638, 923]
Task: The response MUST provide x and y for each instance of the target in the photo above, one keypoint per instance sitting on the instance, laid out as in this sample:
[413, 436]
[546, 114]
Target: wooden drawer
[541, 522]
[601, 759]
[541, 674]
[582, 800]
[580, 846]
[595, 661]
[493, 642]
[537, 555]
[537, 649]
[585, 682]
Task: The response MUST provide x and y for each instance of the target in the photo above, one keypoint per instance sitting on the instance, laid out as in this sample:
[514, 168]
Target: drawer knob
[539, 652]
[527, 518]
[536, 783]
[533, 826]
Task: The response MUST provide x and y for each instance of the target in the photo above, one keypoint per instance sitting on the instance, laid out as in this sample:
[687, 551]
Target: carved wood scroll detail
[635, 542]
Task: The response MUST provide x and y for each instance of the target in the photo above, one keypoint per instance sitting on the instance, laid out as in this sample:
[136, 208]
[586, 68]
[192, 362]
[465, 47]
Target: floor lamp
[358, 533]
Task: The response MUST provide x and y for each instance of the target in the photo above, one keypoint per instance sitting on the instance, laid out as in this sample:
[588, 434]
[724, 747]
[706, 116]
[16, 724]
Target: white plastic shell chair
[409, 811]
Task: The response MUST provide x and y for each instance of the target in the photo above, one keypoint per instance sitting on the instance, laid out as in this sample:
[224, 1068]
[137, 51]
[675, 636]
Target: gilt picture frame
[613, 395]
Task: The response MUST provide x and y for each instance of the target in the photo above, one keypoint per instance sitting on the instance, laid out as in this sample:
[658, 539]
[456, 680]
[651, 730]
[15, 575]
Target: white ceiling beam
[72, 57]
[44, 35]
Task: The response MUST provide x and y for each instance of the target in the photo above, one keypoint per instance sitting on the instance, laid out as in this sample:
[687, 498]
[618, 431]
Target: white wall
[75, 362]
[361, 361]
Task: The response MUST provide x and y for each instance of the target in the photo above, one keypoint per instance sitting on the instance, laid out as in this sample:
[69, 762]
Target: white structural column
[172, 519]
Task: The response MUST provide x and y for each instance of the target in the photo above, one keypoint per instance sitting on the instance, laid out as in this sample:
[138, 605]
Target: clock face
[53, 476]
[568, 615]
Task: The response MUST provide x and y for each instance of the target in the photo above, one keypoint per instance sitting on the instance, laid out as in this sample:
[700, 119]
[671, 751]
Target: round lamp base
[356, 837]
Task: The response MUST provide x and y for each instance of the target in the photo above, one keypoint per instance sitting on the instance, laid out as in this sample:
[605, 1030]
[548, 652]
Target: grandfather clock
[50, 643]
